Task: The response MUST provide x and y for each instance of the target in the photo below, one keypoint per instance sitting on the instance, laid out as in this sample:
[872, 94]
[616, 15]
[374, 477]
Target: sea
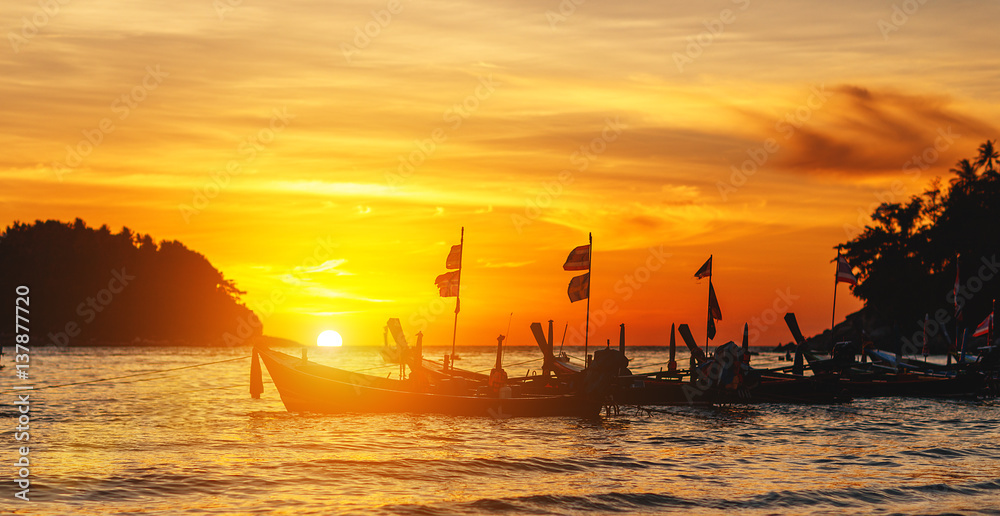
[173, 430]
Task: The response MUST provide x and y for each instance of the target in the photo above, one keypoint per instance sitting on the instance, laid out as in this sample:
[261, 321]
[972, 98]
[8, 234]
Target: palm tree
[988, 156]
[965, 172]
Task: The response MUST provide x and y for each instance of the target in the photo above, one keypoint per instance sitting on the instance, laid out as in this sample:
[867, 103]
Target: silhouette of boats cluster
[565, 388]
[907, 259]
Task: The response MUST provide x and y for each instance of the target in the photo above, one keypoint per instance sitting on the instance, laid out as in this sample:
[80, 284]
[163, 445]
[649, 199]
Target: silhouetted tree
[907, 257]
[988, 156]
[114, 288]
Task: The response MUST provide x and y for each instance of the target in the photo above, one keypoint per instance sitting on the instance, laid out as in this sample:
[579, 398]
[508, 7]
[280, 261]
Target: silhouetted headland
[94, 287]
[912, 254]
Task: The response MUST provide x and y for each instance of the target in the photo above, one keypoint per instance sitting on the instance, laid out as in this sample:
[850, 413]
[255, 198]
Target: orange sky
[339, 200]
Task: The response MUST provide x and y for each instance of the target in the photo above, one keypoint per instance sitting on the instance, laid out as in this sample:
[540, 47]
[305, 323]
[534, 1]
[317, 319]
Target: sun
[329, 338]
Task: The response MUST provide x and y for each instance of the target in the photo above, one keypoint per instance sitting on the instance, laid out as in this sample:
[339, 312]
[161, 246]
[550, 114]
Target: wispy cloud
[329, 265]
[864, 131]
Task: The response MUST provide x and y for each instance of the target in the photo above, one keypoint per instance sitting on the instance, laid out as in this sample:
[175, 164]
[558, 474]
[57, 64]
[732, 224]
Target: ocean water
[192, 441]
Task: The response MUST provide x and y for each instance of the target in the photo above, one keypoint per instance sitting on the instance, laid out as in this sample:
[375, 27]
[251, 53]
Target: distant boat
[725, 377]
[871, 380]
[389, 354]
[309, 387]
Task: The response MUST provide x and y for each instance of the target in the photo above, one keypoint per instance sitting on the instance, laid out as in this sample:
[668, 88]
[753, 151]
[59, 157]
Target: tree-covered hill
[91, 286]
[909, 256]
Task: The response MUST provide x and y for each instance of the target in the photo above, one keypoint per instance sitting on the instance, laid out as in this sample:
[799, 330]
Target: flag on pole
[578, 259]
[844, 273]
[984, 327]
[705, 270]
[711, 328]
[454, 260]
[713, 304]
[579, 288]
[448, 283]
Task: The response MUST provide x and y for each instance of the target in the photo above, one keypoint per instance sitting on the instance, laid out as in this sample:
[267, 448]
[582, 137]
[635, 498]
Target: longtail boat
[724, 378]
[409, 356]
[306, 386]
[870, 380]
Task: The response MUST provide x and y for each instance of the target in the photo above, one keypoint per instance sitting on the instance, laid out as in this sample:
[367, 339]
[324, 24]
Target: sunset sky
[355, 158]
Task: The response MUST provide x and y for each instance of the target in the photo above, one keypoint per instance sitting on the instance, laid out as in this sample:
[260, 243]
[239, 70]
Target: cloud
[328, 265]
[863, 131]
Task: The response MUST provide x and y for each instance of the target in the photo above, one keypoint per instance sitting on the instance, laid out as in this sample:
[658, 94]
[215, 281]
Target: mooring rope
[512, 365]
[133, 375]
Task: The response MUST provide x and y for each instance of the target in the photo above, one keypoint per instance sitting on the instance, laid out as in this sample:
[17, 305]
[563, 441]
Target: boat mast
[590, 270]
[454, 330]
[989, 334]
[708, 326]
[958, 316]
[836, 279]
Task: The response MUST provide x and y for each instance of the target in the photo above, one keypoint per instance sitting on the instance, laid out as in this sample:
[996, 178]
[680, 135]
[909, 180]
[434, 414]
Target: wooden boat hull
[308, 387]
[778, 389]
[913, 385]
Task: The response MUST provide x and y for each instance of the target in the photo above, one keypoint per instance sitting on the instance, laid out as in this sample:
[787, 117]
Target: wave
[793, 502]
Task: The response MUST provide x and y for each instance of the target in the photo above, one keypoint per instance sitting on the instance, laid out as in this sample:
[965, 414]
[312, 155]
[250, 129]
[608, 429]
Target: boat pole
[833, 315]
[925, 350]
[672, 363]
[510, 320]
[989, 334]
[458, 296]
[709, 321]
[586, 331]
[958, 272]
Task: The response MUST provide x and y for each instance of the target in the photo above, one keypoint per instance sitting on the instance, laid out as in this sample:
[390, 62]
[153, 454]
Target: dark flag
[711, 328]
[447, 283]
[844, 273]
[578, 259]
[454, 260]
[579, 288]
[984, 327]
[714, 310]
[705, 271]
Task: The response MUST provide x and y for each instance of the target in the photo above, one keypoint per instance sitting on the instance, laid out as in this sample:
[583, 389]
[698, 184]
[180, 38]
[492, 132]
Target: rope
[376, 367]
[242, 386]
[129, 375]
[511, 365]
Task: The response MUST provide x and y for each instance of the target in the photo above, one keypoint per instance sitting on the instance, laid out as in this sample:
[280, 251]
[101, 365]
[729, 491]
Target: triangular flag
[713, 304]
[705, 270]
